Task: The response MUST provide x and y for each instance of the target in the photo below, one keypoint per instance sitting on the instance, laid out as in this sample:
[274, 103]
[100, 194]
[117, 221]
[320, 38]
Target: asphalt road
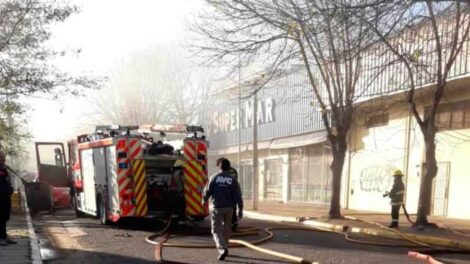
[66, 239]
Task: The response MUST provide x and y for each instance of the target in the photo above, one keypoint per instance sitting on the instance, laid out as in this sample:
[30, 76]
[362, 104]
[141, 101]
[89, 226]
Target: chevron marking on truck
[125, 194]
[191, 205]
[201, 148]
[140, 187]
[135, 149]
[193, 181]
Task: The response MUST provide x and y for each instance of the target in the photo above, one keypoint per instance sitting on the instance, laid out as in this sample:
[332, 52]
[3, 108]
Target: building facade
[394, 141]
[294, 156]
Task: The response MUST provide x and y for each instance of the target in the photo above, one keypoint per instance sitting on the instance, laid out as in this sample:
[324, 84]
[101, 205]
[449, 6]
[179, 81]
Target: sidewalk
[19, 227]
[19, 253]
[456, 234]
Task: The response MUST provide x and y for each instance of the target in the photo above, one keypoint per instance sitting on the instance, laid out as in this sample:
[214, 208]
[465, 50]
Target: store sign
[228, 121]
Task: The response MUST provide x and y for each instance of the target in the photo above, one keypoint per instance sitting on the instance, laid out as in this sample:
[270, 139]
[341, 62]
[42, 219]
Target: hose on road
[160, 239]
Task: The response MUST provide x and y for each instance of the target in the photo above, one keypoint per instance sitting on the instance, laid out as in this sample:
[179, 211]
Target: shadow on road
[78, 256]
[67, 217]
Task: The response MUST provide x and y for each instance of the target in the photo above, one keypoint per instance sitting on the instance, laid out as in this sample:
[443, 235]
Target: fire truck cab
[121, 171]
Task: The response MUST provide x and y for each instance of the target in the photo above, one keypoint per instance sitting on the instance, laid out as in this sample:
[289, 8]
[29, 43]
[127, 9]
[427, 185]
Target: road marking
[61, 238]
[33, 239]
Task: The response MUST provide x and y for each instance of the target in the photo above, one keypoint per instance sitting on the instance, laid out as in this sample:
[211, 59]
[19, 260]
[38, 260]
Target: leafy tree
[26, 60]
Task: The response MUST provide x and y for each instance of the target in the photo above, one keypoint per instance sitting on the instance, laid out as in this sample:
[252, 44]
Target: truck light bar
[177, 128]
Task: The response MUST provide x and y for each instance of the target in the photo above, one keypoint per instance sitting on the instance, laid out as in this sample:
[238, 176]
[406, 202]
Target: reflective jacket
[397, 192]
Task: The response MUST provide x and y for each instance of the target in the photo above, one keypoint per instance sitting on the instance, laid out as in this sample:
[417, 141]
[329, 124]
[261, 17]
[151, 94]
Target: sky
[106, 31]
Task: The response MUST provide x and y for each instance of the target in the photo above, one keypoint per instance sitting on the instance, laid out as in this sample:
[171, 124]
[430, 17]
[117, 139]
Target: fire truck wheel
[102, 211]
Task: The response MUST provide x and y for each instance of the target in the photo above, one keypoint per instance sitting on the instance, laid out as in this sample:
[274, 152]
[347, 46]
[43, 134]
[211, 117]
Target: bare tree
[426, 37]
[318, 34]
[151, 86]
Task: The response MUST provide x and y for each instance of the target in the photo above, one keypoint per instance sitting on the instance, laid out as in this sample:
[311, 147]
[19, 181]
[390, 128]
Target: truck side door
[52, 164]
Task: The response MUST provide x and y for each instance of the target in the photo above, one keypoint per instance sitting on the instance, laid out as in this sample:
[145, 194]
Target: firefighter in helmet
[396, 195]
[233, 172]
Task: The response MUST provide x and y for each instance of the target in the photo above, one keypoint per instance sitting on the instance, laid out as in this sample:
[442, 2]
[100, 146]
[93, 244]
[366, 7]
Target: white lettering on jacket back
[224, 180]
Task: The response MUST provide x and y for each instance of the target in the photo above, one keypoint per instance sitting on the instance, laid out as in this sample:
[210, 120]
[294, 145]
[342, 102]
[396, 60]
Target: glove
[386, 194]
[240, 215]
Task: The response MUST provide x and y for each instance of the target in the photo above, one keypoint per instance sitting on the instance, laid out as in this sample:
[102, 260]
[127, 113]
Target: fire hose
[418, 255]
[160, 239]
[407, 215]
[15, 174]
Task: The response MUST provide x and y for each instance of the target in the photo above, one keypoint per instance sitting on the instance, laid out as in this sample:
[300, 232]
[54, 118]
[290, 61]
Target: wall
[375, 153]
[454, 147]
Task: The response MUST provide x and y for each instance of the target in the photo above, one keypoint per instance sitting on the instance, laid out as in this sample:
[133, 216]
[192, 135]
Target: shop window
[273, 178]
[453, 116]
[443, 120]
[457, 119]
[309, 175]
[466, 117]
[297, 175]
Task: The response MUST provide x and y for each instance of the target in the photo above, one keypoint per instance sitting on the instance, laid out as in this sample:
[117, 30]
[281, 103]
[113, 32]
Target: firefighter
[176, 189]
[233, 172]
[58, 157]
[6, 190]
[225, 194]
[396, 195]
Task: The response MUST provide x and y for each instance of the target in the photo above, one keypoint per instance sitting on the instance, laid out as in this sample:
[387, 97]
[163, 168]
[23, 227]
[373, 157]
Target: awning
[299, 140]
[243, 148]
[279, 143]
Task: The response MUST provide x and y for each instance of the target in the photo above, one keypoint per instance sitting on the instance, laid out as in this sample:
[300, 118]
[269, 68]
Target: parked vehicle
[120, 171]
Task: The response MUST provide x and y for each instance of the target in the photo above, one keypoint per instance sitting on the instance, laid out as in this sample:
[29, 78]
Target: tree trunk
[339, 147]
[430, 172]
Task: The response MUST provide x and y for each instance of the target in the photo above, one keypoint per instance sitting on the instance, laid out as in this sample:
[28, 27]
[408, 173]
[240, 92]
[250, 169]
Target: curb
[268, 217]
[430, 240]
[33, 239]
[290, 219]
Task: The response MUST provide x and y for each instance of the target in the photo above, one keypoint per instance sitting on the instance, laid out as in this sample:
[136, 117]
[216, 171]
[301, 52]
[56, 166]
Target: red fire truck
[121, 171]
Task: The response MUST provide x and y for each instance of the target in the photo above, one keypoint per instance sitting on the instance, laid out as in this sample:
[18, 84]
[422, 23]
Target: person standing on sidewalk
[225, 194]
[396, 195]
[6, 190]
[233, 172]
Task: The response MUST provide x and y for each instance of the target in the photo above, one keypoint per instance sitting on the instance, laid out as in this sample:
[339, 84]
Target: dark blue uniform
[5, 201]
[224, 191]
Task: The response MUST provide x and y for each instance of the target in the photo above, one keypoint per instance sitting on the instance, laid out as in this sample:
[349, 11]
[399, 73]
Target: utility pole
[255, 152]
[239, 116]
